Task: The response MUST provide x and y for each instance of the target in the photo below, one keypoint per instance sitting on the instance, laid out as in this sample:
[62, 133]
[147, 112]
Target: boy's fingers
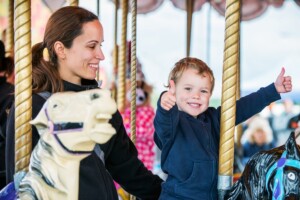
[288, 78]
[282, 72]
[172, 98]
[172, 86]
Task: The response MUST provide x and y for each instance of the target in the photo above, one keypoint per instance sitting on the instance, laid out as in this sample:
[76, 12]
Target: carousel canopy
[250, 8]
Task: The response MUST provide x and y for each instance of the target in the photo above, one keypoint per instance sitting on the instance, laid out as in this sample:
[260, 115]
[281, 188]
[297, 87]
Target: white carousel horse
[70, 124]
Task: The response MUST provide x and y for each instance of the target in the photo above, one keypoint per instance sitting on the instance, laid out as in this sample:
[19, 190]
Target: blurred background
[269, 40]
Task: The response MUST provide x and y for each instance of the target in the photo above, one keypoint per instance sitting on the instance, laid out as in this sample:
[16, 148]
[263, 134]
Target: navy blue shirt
[190, 146]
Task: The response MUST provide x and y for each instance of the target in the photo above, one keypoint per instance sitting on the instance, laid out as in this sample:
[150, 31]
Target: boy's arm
[165, 116]
[254, 103]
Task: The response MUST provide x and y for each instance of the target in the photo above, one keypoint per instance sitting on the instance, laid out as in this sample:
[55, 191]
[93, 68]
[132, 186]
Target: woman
[257, 137]
[72, 52]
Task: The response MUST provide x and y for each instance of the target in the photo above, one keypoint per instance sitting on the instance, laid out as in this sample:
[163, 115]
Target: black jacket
[121, 162]
[6, 99]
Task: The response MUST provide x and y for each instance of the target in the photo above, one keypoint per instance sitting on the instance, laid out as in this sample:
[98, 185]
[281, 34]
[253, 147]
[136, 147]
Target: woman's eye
[188, 89]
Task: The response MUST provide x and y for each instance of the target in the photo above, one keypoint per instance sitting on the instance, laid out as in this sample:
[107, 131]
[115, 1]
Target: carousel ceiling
[250, 8]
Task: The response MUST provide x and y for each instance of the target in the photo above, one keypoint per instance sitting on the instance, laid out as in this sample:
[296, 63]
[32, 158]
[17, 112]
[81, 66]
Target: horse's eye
[95, 96]
[291, 176]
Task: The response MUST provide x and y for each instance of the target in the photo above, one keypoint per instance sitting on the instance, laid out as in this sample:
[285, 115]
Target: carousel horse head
[70, 124]
[84, 115]
[273, 174]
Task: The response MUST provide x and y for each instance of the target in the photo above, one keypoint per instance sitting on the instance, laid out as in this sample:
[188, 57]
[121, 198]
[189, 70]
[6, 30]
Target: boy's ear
[172, 86]
[59, 49]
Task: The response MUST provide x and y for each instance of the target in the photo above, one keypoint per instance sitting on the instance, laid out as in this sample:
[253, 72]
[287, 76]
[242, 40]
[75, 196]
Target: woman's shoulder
[37, 103]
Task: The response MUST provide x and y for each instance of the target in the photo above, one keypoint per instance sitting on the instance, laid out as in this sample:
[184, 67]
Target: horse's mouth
[103, 126]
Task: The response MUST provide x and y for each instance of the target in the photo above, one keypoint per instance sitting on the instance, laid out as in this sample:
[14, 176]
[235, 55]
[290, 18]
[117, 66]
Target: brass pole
[23, 89]
[189, 11]
[123, 58]
[115, 52]
[73, 2]
[133, 71]
[239, 128]
[228, 109]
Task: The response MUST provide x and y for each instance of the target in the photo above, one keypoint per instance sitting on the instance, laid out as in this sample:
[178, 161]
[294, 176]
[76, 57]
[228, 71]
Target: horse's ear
[41, 121]
[293, 151]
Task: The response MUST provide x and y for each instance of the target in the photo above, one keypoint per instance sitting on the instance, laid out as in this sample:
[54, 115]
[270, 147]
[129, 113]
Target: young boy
[188, 131]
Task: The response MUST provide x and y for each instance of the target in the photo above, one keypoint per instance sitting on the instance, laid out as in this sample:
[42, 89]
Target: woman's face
[82, 60]
[259, 137]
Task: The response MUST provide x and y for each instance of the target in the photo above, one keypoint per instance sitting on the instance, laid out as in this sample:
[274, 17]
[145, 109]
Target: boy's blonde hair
[191, 63]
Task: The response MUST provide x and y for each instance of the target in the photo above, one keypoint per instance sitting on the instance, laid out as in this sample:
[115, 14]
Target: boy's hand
[283, 84]
[168, 99]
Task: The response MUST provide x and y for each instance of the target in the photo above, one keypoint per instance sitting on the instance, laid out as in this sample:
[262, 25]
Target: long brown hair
[64, 25]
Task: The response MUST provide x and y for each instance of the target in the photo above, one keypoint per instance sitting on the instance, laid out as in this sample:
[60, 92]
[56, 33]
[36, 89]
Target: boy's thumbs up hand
[283, 84]
[168, 99]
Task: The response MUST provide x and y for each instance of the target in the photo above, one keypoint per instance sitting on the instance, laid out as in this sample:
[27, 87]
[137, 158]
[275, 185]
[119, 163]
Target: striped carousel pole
[133, 75]
[73, 2]
[23, 80]
[189, 11]
[133, 70]
[122, 58]
[115, 50]
[228, 103]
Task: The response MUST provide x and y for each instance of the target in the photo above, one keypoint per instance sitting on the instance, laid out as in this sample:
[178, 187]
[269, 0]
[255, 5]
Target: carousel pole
[133, 70]
[23, 88]
[115, 51]
[133, 75]
[228, 103]
[73, 2]
[189, 11]
[122, 57]
[239, 128]
[9, 43]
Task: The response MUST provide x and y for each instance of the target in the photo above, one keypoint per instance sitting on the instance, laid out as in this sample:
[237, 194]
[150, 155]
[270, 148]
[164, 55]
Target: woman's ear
[172, 88]
[59, 49]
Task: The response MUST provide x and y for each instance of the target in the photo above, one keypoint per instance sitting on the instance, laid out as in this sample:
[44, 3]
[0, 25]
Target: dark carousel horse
[273, 175]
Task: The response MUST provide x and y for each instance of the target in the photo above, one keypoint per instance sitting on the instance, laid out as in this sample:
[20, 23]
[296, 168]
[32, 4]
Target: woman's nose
[100, 54]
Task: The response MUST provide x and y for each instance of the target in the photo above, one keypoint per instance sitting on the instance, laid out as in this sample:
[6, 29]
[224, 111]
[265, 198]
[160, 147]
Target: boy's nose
[196, 96]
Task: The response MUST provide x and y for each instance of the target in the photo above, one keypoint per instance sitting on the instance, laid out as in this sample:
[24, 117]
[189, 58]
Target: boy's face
[193, 92]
